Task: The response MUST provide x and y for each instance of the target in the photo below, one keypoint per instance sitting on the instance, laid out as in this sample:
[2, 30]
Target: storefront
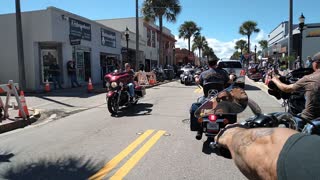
[53, 36]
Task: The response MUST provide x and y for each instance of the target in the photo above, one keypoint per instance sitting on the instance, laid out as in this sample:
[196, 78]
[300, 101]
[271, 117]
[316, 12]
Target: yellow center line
[125, 169]
[117, 159]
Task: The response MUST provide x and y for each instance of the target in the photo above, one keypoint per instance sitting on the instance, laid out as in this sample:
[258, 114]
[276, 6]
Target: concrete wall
[36, 26]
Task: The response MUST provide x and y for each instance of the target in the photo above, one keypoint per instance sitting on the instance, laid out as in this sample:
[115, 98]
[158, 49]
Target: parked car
[234, 67]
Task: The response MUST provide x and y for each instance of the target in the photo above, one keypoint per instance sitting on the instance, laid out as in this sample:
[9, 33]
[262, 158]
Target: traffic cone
[90, 86]
[23, 104]
[47, 86]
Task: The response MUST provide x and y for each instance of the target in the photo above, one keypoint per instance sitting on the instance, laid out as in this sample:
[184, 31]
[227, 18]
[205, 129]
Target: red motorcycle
[118, 91]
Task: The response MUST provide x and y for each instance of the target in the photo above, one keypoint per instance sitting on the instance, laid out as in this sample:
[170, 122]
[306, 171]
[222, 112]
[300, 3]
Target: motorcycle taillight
[242, 72]
[212, 118]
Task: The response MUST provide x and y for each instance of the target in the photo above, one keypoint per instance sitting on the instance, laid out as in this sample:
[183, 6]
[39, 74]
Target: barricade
[10, 88]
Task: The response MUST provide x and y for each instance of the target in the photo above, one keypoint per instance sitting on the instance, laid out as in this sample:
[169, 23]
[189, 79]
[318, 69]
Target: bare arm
[256, 151]
[283, 87]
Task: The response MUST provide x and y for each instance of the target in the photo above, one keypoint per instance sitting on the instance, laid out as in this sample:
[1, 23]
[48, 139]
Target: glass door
[80, 65]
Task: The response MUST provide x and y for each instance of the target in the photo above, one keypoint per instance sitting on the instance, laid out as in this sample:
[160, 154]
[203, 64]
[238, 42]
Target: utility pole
[137, 33]
[290, 39]
[22, 78]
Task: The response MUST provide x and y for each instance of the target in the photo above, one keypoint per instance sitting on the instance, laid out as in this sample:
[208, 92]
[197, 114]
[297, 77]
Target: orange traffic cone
[47, 86]
[90, 86]
[23, 104]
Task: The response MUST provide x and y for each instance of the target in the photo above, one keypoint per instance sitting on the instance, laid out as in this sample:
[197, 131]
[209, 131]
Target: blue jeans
[56, 80]
[74, 80]
[131, 89]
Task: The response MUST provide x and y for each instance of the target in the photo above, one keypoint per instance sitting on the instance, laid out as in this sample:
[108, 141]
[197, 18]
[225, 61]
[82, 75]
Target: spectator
[71, 67]
[308, 62]
[54, 70]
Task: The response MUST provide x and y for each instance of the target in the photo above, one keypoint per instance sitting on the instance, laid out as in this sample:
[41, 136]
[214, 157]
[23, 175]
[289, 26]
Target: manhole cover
[186, 121]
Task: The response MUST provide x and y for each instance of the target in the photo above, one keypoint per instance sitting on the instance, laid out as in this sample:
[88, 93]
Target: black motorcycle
[294, 102]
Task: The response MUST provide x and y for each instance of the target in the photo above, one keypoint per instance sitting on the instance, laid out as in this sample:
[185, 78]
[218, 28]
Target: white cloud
[224, 49]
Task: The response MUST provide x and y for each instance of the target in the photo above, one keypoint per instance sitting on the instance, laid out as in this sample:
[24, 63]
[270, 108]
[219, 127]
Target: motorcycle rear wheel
[113, 106]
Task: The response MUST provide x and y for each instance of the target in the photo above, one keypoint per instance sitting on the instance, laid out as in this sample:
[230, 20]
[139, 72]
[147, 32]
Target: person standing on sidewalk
[54, 70]
[308, 62]
[72, 73]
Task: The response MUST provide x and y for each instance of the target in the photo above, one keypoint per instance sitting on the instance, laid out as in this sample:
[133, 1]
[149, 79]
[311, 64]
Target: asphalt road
[149, 141]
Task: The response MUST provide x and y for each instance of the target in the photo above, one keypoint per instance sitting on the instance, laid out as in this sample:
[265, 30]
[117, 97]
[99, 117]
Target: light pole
[301, 26]
[255, 53]
[173, 55]
[127, 39]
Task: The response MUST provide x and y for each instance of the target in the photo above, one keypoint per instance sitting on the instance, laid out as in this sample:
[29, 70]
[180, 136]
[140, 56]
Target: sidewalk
[57, 104]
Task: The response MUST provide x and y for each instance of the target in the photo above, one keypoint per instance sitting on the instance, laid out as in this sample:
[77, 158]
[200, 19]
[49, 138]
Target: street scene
[148, 90]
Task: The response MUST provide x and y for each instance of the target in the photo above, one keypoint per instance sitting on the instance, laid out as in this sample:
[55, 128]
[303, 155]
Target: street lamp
[255, 53]
[127, 39]
[301, 26]
[173, 55]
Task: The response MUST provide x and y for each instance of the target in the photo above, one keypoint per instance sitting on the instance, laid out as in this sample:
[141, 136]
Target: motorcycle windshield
[232, 100]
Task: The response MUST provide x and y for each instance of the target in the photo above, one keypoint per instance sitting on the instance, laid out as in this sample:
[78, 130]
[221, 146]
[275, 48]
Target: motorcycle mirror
[228, 101]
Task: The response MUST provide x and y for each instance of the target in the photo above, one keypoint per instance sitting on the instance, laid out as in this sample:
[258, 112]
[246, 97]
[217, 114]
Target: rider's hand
[224, 137]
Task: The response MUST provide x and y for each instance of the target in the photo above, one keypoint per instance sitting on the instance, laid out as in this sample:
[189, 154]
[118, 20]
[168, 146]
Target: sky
[219, 19]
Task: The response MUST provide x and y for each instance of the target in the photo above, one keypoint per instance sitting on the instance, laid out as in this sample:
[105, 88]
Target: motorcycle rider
[311, 85]
[131, 81]
[212, 75]
[272, 153]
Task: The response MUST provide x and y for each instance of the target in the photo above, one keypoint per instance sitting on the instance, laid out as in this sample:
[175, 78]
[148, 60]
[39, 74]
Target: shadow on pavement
[5, 157]
[251, 88]
[139, 109]
[62, 169]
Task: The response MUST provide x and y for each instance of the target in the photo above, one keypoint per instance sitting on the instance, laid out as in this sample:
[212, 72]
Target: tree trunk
[199, 53]
[160, 42]
[248, 49]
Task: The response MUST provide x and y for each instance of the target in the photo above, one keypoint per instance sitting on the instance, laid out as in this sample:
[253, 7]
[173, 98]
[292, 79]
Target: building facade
[55, 35]
[148, 41]
[278, 41]
[183, 56]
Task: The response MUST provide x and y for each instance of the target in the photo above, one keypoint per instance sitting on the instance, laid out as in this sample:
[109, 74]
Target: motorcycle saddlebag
[140, 91]
[194, 125]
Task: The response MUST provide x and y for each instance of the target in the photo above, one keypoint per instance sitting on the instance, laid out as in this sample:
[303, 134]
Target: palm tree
[247, 28]
[199, 42]
[241, 44]
[263, 44]
[187, 30]
[159, 9]
[208, 51]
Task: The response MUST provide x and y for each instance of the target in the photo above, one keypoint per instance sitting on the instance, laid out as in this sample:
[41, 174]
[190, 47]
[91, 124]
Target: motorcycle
[118, 91]
[293, 102]
[187, 77]
[160, 74]
[255, 73]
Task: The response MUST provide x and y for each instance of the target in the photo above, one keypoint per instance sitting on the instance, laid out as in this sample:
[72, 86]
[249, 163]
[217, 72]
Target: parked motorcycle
[160, 74]
[118, 92]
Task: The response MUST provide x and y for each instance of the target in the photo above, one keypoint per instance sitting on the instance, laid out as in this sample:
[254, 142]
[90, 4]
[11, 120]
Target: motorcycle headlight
[114, 84]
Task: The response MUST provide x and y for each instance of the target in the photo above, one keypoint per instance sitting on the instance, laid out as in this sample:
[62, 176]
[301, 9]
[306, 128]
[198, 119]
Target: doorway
[83, 64]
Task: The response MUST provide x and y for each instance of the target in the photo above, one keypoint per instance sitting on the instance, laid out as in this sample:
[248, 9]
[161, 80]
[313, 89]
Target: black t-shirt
[300, 158]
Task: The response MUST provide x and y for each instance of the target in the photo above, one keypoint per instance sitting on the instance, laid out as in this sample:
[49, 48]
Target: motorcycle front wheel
[113, 105]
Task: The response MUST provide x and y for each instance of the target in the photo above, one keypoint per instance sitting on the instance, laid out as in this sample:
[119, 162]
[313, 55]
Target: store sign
[108, 38]
[80, 29]
[75, 40]
[315, 33]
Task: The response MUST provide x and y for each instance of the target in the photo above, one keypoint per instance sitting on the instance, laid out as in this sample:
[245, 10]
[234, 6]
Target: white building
[46, 38]
[149, 40]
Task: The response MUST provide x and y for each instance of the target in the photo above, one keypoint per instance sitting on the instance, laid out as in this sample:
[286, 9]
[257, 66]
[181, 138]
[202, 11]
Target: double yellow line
[125, 169]
[198, 90]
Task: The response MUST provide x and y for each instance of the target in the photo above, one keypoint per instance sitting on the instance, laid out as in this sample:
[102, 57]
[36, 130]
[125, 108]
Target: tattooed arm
[256, 151]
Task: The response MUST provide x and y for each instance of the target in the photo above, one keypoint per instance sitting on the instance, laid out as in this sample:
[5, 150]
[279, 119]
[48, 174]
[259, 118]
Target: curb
[20, 123]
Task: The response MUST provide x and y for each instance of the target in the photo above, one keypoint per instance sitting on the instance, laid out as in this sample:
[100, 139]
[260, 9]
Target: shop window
[153, 39]
[148, 37]
[48, 58]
